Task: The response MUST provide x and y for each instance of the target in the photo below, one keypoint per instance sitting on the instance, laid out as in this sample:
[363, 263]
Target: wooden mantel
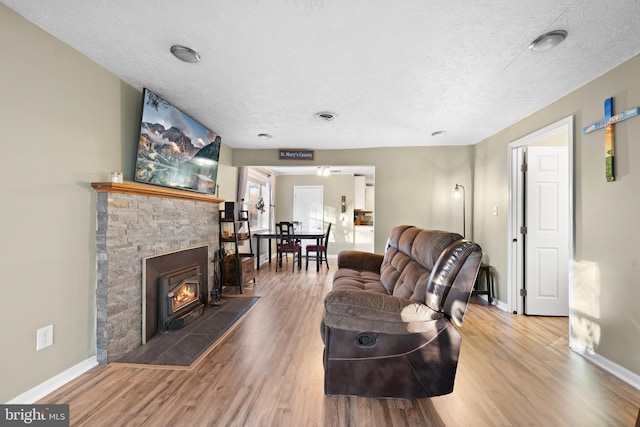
[129, 187]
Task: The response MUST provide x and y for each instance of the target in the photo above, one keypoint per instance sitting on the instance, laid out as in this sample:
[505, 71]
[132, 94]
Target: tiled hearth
[137, 221]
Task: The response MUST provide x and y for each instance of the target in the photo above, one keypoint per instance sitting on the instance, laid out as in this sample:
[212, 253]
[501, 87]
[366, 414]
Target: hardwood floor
[267, 371]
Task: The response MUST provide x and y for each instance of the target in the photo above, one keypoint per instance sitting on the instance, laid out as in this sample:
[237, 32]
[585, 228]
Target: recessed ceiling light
[548, 40]
[185, 54]
[264, 135]
[325, 116]
[439, 133]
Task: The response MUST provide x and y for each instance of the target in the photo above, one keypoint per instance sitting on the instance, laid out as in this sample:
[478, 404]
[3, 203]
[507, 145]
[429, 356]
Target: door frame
[515, 262]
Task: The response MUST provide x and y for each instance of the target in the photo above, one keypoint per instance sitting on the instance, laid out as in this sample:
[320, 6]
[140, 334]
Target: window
[258, 199]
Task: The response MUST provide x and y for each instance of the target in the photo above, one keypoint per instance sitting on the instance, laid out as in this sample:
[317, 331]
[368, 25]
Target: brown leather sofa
[388, 320]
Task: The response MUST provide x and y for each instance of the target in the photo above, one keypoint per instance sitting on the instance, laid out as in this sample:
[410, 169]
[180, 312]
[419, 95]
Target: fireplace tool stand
[216, 291]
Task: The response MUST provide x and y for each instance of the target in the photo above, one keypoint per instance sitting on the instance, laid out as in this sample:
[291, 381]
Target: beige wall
[413, 185]
[66, 122]
[606, 265]
[227, 175]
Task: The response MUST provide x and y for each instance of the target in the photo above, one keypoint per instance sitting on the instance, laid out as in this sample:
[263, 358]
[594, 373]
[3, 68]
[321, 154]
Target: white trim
[614, 369]
[501, 305]
[54, 383]
[495, 302]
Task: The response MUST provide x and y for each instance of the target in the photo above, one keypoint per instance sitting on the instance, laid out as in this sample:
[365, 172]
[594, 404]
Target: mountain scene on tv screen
[168, 156]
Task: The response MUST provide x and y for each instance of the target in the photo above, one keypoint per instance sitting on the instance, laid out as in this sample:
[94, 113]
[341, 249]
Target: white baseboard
[54, 383]
[614, 369]
[501, 306]
[495, 302]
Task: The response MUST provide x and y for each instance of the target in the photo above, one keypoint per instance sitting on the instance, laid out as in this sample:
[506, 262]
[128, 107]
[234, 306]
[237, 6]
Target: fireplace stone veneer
[132, 226]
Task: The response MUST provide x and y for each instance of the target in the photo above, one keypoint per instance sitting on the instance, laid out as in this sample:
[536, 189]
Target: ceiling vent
[325, 116]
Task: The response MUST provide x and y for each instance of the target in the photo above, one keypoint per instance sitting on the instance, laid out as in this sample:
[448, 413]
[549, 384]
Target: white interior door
[546, 240]
[308, 207]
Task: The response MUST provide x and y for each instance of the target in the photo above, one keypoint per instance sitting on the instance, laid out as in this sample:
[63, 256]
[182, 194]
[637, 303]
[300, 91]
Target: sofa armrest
[361, 261]
[361, 310]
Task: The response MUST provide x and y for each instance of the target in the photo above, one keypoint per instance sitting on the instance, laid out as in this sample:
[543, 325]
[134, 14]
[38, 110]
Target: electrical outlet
[44, 337]
[495, 211]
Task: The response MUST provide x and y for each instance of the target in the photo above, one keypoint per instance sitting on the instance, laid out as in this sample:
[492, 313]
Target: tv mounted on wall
[174, 150]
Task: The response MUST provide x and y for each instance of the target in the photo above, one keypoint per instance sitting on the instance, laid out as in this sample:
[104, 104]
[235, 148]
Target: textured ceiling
[393, 72]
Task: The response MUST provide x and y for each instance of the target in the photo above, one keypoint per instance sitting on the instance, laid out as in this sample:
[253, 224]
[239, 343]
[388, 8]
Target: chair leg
[326, 260]
[295, 261]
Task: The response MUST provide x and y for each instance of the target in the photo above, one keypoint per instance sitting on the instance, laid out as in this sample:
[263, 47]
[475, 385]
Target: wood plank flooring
[267, 371]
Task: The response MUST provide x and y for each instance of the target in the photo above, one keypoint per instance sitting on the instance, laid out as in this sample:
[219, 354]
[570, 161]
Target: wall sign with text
[296, 155]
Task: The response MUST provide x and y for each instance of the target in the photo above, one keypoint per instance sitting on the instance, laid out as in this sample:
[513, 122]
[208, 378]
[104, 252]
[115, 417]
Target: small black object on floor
[184, 346]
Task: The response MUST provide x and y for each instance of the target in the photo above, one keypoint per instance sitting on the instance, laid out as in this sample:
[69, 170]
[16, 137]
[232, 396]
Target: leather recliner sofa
[388, 321]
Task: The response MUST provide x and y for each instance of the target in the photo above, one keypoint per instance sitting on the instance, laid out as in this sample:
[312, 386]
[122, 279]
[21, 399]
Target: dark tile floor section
[184, 346]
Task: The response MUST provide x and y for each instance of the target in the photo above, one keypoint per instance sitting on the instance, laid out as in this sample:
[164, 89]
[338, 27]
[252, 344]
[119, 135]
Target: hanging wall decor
[607, 123]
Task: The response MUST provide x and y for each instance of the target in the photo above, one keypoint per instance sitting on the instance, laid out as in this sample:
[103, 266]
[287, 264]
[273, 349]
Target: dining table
[297, 234]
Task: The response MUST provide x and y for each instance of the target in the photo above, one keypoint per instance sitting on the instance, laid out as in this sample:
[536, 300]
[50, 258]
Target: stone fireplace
[137, 222]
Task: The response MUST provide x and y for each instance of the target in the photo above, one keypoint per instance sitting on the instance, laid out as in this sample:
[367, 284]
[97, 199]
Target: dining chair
[287, 244]
[322, 250]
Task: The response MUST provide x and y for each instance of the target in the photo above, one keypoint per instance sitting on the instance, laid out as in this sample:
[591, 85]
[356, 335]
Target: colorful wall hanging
[607, 123]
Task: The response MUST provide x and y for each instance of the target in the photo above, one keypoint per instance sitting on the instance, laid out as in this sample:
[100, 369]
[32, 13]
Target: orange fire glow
[184, 295]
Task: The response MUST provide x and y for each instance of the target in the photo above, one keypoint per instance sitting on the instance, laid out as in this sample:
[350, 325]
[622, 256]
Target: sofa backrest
[410, 256]
[452, 279]
[433, 267]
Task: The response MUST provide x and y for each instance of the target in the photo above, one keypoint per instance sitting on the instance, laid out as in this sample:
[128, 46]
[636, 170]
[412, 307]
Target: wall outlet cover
[44, 337]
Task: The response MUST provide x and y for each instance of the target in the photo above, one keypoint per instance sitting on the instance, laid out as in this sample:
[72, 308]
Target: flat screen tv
[174, 150]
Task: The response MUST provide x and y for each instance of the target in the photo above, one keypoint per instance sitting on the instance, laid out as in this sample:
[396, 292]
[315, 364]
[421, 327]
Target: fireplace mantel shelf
[129, 187]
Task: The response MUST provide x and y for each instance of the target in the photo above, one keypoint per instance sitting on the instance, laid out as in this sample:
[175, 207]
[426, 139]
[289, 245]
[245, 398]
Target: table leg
[318, 255]
[257, 252]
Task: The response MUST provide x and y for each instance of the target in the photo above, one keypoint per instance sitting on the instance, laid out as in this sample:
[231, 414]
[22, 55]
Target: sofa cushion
[347, 278]
[411, 255]
[361, 261]
[377, 312]
[412, 282]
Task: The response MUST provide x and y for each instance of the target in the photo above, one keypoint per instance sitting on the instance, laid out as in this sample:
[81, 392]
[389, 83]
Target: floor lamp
[464, 214]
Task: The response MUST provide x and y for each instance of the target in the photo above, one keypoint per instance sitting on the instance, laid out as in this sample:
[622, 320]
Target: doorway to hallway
[541, 221]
